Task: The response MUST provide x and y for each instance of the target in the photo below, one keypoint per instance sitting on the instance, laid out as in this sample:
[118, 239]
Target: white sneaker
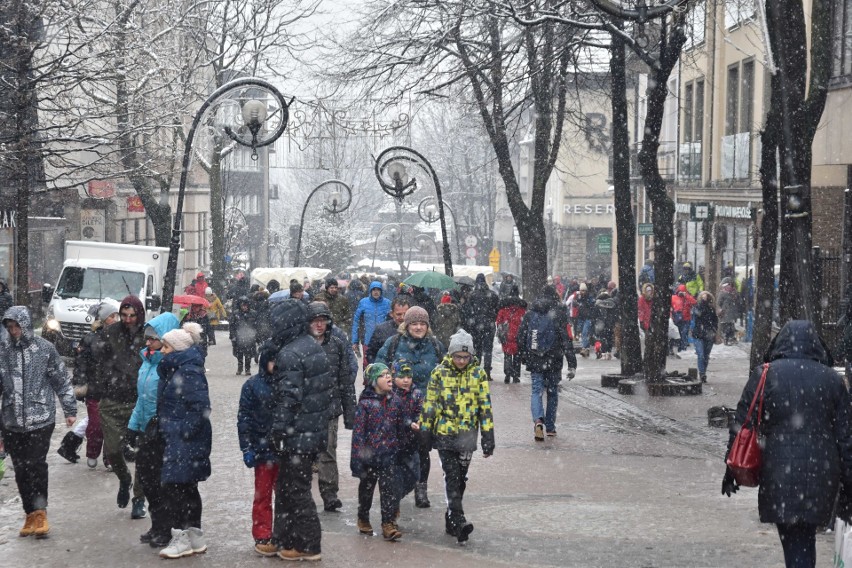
[92, 462]
[197, 540]
[179, 545]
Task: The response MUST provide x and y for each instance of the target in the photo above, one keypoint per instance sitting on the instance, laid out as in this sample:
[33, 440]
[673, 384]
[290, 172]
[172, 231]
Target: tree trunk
[625, 224]
[533, 256]
[662, 214]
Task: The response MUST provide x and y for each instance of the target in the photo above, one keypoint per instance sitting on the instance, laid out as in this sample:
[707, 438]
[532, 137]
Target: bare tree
[441, 47]
[798, 90]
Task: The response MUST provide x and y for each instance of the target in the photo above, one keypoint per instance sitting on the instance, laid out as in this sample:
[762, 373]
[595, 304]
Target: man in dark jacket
[543, 341]
[116, 388]
[343, 399]
[303, 391]
[807, 439]
[341, 310]
[389, 328]
[479, 315]
[6, 300]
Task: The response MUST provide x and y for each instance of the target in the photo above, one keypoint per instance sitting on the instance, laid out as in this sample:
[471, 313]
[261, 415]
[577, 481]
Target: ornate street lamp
[428, 212]
[254, 133]
[395, 232]
[334, 205]
[394, 167]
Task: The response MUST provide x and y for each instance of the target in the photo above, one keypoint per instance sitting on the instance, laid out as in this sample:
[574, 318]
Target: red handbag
[744, 459]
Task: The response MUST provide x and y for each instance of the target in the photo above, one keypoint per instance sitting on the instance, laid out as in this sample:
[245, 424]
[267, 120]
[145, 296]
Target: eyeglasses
[461, 357]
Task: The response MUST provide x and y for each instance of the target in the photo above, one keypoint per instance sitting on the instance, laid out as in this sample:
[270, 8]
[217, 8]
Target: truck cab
[97, 271]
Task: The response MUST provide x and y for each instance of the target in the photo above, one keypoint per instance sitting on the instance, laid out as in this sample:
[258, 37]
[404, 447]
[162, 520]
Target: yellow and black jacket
[458, 404]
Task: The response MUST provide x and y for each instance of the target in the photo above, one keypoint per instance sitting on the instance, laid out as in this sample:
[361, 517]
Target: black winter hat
[331, 282]
[318, 309]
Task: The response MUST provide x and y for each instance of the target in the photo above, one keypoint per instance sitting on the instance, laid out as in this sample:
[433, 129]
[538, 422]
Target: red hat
[200, 275]
[446, 299]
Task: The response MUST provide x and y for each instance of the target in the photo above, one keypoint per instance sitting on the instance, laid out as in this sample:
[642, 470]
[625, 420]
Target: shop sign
[732, 212]
[645, 229]
[700, 212]
[604, 244]
[8, 219]
[134, 204]
[590, 209]
[494, 259]
[92, 225]
[101, 189]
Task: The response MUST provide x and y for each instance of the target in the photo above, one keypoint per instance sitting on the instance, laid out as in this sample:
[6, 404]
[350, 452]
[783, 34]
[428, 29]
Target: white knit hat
[460, 341]
[179, 339]
[194, 329]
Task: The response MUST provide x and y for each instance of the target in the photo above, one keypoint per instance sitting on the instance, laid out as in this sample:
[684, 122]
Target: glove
[131, 445]
[248, 458]
[729, 484]
[571, 372]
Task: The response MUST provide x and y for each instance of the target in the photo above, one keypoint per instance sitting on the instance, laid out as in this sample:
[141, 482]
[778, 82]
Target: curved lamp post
[420, 240]
[428, 212]
[395, 232]
[333, 206]
[255, 115]
[393, 170]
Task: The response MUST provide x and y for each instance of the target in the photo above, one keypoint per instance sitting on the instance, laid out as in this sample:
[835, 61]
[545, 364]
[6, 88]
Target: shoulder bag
[744, 459]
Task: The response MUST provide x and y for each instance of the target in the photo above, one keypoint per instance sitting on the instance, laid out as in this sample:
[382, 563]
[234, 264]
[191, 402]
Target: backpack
[541, 334]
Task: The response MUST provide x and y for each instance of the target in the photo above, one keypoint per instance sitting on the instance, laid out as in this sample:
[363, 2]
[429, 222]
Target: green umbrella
[430, 279]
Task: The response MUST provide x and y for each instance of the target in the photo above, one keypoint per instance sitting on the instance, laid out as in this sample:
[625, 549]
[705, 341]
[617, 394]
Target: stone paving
[629, 481]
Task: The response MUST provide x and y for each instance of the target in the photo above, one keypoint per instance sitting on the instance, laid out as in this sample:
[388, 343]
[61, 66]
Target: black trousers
[455, 466]
[384, 477]
[512, 365]
[425, 461]
[181, 505]
[483, 343]
[799, 543]
[296, 524]
[28, 451]
[149, 464]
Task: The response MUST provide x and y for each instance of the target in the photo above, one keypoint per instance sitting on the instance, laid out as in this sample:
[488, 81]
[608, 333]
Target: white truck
[94, 271]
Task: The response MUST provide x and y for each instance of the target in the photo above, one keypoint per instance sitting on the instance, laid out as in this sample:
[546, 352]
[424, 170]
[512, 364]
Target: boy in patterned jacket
[458, 405]
[375, 443]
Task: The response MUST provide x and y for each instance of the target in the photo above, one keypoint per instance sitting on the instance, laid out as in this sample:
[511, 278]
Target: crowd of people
[426, 361]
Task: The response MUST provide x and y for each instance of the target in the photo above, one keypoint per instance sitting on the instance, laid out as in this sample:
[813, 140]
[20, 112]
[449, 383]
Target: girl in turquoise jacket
[149, 455]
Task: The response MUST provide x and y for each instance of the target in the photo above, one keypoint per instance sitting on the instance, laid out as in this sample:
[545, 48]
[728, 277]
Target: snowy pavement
[629, 481]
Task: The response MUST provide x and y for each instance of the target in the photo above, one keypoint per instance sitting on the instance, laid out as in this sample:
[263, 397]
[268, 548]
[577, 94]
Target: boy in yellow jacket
[457, 406]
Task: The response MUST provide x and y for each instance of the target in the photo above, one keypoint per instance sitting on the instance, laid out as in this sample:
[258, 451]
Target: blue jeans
[683, 328]
[545, 382]
[586, 327]
[702, 349]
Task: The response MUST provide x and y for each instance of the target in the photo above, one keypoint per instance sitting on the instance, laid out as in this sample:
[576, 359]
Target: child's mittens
[248, 458]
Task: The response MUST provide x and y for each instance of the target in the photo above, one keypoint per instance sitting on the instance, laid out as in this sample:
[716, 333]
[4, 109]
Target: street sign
[604, 244]
[646, 229]
[470, 252]
[494, 259]
[470, 240]
[700, 212]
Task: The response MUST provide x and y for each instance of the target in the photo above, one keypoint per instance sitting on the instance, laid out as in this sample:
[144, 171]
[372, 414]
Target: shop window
[696, 22]
[693, 131]
[841, 35]
[739, 116]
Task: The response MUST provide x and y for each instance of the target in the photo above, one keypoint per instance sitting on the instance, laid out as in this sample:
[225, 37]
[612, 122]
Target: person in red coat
[509, 315]
[682, 304]
[645, 302]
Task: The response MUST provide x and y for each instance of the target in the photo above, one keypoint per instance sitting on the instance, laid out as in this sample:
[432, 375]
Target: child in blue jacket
[407, 468]
[254, 424]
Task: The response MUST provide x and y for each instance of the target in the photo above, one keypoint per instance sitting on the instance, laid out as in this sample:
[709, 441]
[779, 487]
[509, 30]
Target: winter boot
[179, 545]
[421, 499]
[539, 431]
[69, 446]
[299, 555]
[197, 540]
[390, 532]
[464, 531]
[123, 497]
[364, 527]
[138, 511]
[265, 548]
[248, 370]
[239, 368]
[40, 524]
[92, 462]
[29, 525]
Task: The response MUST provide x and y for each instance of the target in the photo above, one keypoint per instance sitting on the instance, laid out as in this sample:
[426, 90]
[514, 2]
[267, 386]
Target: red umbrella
[189, 299]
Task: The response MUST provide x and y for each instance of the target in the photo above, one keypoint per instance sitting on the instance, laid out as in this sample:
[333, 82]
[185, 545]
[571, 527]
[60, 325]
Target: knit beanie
[208, 291]
[105, 309]
[194, 330]
[446, 299]
[416, 314]
[372, 372]
[460, 341]
[178, 339]
[401, 368]
[330, 282]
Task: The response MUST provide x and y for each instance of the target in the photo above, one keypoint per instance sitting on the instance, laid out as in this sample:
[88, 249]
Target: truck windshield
[98, 283]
